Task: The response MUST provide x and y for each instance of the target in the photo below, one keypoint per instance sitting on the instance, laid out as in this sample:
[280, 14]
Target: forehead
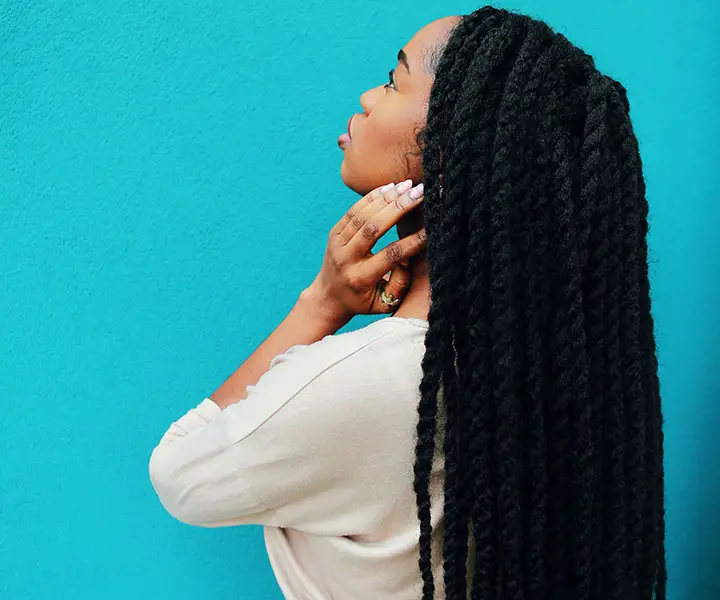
[425, 39]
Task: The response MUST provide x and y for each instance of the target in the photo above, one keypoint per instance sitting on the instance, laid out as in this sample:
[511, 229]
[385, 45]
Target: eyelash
[391, 84]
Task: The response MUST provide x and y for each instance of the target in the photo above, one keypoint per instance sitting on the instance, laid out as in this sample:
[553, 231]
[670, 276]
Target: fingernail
[385, 188]
[417, 191]
[403, 187]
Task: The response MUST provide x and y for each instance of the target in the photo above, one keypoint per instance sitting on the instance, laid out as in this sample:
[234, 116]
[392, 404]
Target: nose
[369, 98]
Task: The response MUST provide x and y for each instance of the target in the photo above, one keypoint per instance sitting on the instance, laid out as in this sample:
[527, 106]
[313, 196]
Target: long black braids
[540, 334]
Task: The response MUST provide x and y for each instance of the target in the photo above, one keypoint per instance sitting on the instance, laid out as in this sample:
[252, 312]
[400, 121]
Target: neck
[417, 300]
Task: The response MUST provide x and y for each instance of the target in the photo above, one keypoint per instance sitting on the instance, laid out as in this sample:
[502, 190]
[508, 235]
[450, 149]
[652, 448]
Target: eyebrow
[402, 57]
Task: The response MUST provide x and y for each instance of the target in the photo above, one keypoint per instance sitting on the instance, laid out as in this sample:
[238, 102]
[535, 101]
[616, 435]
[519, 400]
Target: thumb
[404, 264]
[396, 283]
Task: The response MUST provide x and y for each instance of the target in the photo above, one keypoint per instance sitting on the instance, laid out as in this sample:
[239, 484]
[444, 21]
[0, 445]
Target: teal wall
[168, 176]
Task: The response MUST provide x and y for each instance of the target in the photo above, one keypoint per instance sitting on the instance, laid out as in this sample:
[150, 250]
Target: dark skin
[384, 145]
[381, 151]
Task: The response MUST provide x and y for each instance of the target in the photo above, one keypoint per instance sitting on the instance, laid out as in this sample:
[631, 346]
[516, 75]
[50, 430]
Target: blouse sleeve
[310, 447]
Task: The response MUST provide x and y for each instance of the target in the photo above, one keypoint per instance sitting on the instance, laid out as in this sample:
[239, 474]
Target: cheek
[390, 133]
[385, 149]
[389, 144]
[395, 141]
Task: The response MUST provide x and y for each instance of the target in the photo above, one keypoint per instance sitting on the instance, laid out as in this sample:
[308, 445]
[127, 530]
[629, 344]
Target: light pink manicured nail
[385, 188]
[403, 187]
[417, 191]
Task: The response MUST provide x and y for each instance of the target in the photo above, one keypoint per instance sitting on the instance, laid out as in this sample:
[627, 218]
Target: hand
[351, 278]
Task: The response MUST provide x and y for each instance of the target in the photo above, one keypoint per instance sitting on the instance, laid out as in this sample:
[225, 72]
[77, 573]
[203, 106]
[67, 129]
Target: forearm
[309, 321]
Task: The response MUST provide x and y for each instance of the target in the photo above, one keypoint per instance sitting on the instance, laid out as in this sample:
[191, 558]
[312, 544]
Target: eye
[391, 83]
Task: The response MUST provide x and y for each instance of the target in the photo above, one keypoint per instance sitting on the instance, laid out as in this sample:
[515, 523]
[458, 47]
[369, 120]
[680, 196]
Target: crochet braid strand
[540, 334]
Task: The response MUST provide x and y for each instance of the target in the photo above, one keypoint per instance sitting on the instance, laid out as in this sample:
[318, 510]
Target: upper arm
[314, 446]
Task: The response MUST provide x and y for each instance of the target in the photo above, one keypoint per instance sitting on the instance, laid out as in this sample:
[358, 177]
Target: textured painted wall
[168, 176]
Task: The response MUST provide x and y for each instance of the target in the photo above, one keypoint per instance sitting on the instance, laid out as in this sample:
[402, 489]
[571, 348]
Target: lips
[345, 138]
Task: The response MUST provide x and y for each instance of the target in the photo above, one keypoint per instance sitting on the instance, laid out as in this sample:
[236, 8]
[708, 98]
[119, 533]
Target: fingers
[393, 254]
[353, 219]
[368, 227]
[396, 285]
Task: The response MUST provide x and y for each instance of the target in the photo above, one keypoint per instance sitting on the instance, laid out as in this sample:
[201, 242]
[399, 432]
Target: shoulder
[367, 369]
[360, 352]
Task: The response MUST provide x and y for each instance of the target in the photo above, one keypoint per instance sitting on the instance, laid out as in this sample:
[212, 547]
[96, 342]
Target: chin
[352, 182]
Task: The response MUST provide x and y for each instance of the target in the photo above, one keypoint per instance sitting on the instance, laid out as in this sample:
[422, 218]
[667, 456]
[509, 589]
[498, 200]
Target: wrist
[323, 308]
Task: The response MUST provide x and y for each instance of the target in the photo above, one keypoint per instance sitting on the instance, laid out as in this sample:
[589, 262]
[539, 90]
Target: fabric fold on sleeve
[314, 445]
[192, 420]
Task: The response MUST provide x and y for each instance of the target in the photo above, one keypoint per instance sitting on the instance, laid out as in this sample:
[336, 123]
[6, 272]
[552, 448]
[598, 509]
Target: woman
[524, 333]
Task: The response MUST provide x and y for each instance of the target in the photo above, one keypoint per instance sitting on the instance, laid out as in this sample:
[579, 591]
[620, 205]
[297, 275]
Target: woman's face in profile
[381, 145]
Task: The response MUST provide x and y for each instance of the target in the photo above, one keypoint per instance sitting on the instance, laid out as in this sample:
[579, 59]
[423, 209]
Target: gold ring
[388, 299]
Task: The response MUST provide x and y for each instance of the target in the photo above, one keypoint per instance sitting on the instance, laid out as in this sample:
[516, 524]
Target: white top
[321, 452]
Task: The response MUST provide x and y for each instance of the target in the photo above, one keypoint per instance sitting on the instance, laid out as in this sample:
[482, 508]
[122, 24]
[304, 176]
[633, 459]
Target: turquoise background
[168, 176]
